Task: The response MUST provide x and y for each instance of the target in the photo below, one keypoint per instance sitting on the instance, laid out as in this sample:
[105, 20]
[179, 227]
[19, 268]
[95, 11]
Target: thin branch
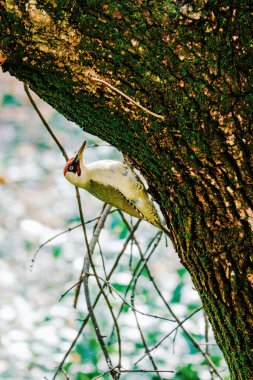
[145, 371]
[125, 301]
[166, 336]
[65, 374]
[139, 264]
[127, 97]
[194, 342]
[45, 123]
[96, 232]
[144, 340]
[134, 371]
[135, 314]
[87, 262]
[180, 324]
[142, 255]
[73, 343]
[102, 259]
[59, 234]
[104, 373]
[69, 289]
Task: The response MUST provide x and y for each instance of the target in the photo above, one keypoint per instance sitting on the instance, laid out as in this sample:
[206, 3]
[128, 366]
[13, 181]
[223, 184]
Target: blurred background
[37, 328]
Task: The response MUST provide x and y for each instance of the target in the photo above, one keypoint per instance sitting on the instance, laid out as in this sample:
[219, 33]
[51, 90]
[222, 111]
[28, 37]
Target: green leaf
[119, 287]
[67, 366]
[153, 337]
[124, 231]
[87, 349]
[118, 225]
[47, 318]
[10, 100]
[176, 295]
[82, 376]
[181, 272]
[145, 272]
[186, 372]
[28, 245]
[86, 376]
[56, 251]
[216, 359]
[74, 219]
[192, 349]
[193, 306]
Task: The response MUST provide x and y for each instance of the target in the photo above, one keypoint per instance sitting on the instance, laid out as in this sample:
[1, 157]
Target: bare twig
[133, 371]
[107, 283]
[142, 255]
[104, 373]
[65, 374]
[73, 343]
[194, 342]
[154, 240]
[145, 371]
[144, 340]
[94, 241]
[45, 123]
[127, 97]
[102, 259]
[135, 314]
[169, 334]
[69, 289]
[87, 262]
[59, 234]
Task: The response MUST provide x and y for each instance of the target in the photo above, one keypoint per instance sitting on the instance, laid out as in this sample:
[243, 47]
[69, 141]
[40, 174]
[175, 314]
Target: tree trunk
[189, 63]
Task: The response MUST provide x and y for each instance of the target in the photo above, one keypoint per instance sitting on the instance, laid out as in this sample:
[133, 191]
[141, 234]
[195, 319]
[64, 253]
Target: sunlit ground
[36, 204]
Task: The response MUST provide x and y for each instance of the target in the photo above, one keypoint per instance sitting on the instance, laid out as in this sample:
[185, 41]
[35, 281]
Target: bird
[114, 183]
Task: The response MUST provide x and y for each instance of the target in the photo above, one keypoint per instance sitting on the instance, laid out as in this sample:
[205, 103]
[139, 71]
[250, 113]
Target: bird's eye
[71, 167]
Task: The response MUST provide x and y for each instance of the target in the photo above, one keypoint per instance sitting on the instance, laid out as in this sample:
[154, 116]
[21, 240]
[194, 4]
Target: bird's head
[74, 168]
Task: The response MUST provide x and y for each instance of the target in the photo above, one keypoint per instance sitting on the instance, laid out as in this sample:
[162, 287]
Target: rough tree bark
[190, 63]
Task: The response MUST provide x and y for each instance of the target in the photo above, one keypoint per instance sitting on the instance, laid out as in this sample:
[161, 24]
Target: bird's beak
[79, 155]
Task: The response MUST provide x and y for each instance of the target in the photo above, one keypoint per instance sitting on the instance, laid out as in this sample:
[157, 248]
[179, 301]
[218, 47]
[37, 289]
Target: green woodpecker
[114, 183]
